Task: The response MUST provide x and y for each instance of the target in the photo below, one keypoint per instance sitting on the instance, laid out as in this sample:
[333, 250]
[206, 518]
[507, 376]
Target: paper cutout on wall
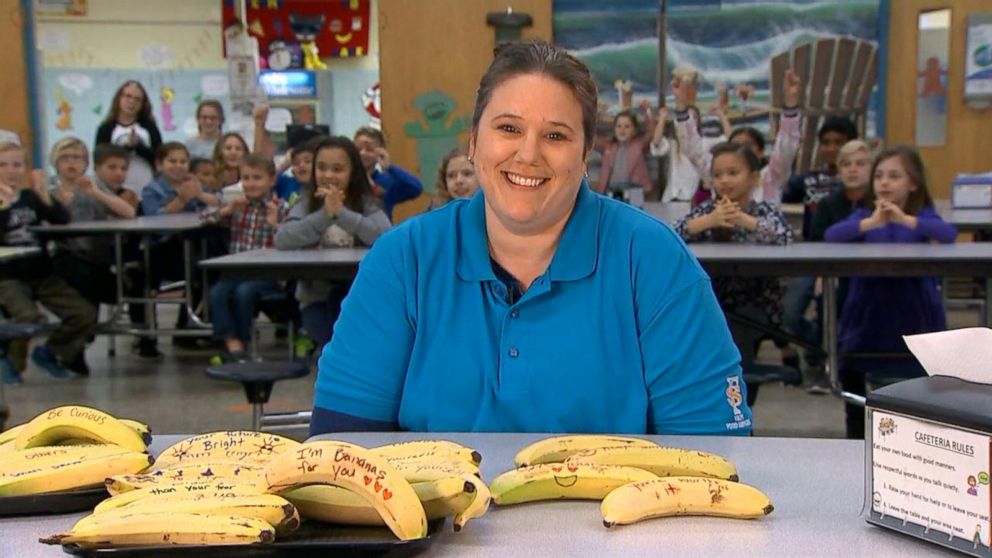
[54, 40]
[156, 55]
[167, 94]
[64, 111]
[214, 85]
[340, 28]
[372, 102]
[436, 131]
[77, 83]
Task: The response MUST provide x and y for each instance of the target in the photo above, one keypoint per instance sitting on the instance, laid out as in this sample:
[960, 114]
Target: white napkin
[961, 353]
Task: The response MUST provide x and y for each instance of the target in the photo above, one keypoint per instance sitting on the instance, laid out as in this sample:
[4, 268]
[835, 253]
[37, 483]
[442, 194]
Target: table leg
[988, 302]
[830, 341]
[188, 274]
[151, 320]
[203, 277]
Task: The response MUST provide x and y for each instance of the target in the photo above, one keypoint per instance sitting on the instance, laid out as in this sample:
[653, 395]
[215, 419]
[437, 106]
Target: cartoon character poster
[297, 33]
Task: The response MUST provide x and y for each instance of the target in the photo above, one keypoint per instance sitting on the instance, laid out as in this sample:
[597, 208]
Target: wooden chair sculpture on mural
[838, 74]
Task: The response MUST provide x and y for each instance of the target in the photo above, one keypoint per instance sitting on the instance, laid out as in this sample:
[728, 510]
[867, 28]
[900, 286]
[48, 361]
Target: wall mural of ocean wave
[729, 42]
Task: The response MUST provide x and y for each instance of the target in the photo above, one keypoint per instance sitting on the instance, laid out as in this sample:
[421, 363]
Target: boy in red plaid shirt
[253, 220]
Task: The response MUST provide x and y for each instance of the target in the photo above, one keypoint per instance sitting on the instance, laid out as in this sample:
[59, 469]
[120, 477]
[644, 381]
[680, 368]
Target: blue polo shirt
[622, 333]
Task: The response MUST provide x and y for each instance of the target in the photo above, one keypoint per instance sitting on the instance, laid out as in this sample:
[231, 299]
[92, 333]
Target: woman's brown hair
[144, 113]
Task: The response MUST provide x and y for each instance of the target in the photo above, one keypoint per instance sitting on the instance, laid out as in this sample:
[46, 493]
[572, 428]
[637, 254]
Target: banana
[10, 434]
[571, 480]
[53, 455]
[242, 446]
[428, 450]
[168, 529]
[246, 474]
[662, 461]
[422, 471]
[474, 508]
[74, 421]
[664, 497]
[272, 509]
[179, 491]
[68, 475]
[333, 504]
[559, 448]
[141, 428]
[357, 469]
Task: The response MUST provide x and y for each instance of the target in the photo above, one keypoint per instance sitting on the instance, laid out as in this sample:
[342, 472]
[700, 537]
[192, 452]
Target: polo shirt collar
[576, 255]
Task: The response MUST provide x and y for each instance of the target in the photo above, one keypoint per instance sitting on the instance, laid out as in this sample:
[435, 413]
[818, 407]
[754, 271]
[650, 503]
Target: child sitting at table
[110, 171]
[735, 217]
[28, 281]
[337, 210]
[253, 220]
[878, 311]
[85, 262]
[390, 184]
[203, 170]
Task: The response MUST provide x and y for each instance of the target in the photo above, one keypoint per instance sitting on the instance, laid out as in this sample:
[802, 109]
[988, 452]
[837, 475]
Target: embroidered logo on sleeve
[735, 399]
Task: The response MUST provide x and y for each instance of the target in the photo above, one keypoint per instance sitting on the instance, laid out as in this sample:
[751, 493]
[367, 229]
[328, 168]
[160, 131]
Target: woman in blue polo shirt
[536, 305]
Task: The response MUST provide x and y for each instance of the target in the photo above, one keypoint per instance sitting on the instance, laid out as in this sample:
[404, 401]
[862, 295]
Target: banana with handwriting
[242, 446]
[558, 448]
[69, 475]
[553, 481]
[671, 496]
[425, 471]
[662, 461]
[428, 450]
[179, 491]
[274, 510]
[357, 469]
[77, 422]
[165, 476]
[168, 529]
[15, 461]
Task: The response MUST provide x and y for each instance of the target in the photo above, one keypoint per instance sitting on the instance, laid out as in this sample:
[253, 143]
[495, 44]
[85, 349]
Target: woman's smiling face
[529, 154]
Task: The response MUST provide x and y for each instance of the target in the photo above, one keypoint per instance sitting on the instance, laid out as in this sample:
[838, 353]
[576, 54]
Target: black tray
[311, 540]
[55, 502]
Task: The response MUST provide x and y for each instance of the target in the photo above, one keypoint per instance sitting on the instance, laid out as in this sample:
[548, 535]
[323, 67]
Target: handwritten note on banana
[931, 475]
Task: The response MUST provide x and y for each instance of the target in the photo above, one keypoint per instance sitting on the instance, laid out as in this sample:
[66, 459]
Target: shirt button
[515, 314]
[514, 353]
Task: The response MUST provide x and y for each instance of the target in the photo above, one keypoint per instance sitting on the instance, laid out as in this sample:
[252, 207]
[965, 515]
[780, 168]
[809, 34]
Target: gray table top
[966, 220]
[154, 224]
[815, 485]
[799, 259]
[10, 253]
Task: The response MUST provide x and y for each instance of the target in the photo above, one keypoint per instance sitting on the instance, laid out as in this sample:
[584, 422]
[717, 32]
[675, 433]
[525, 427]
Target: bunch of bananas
[636, 479]
[252, 488]
[70, 448]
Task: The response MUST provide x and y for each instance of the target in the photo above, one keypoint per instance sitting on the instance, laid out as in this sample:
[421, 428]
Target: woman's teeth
[523, 180]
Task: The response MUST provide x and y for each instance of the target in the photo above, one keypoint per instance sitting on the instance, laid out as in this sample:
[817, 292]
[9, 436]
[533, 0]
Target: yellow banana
[74, 421]
[69, 475]
[182, 490]
[664, 497]
[333, 504]
[141, 428]
[571, 480]
[246, 474]
[168, 529]
[272, 509]
[10, 434]
[357, 469]
[476, 507]
[428, 450]
[53, 455]
[242, 446]
[422, 471]
[559, 448]
[662, 461]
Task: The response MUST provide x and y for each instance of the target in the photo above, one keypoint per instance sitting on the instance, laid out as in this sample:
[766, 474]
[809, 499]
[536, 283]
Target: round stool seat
[259, 371]
[12, 330]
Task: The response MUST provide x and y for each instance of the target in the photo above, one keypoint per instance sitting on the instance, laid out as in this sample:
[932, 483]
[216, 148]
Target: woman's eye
[508, 128]
[557, 136]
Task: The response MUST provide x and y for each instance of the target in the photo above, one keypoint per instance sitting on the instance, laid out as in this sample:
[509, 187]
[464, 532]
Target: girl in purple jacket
[878, 311]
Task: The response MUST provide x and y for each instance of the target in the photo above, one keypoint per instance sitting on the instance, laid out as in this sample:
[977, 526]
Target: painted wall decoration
[435, 131]
[729, 43]
[60, 7]
[297, 33]
[978, 62]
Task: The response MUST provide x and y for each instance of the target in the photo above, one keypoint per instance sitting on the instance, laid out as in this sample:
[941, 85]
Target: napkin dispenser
[927, 448]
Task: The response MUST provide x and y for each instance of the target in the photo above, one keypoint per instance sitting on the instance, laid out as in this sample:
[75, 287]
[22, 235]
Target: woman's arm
[362, 370]
[103, 133]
